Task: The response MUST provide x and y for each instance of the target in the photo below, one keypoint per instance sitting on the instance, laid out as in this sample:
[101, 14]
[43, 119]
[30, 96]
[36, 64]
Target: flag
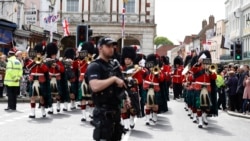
[123, 18]
[65, 24]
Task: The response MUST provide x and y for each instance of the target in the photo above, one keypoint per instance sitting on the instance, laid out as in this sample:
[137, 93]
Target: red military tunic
[36, 70]
[82, 67]
[56, 71]
[166, 69]
[177, 76]
[154, 80]
[203, 79]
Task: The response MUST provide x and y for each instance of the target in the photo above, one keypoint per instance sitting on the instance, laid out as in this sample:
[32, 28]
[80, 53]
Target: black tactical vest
[109, 96]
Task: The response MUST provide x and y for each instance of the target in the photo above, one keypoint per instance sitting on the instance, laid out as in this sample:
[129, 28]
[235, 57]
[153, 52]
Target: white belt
[54, 74]
[176, 75]
[148, 82]
[202, 83]
[82, 73]
[37, 74]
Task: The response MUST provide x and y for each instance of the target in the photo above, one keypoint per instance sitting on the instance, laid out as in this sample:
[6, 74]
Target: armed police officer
[105, 88]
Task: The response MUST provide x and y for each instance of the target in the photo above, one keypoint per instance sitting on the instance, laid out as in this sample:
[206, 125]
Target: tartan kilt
[190, 97]
[42, 89]
[185, 94]
[157, 97]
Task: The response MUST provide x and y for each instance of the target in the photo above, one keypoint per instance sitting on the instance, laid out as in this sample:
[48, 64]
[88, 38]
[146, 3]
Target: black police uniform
[106, 115]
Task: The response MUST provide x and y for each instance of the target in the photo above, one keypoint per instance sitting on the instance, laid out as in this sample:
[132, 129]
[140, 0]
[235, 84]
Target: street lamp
[248, 20]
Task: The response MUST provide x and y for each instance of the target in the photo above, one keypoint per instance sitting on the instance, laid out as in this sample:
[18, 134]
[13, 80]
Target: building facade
[238, 26]
[105, 19]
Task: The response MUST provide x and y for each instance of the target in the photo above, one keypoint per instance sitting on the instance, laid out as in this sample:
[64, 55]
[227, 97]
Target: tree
[162, 41]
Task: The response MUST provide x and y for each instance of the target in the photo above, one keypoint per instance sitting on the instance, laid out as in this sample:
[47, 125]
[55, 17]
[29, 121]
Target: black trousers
[222, 98]
[233, 102]
[1, 91]
[12, 92]
[177, 88]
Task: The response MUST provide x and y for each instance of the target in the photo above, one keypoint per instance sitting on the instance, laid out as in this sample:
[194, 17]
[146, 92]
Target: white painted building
[105, 18]
[238, 24]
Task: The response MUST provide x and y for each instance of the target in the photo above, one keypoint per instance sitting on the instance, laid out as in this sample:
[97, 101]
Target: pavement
[27, 99]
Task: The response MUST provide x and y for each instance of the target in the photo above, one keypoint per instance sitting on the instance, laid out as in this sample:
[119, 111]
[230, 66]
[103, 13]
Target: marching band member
[202, 88]
[55, 68]
[70, 78]
[83, 89]
[152, 87]
[177, 77]
[190, 95]
[133, 78]
[37, 79]
[186, 80]
[140, 60]
[166, 70]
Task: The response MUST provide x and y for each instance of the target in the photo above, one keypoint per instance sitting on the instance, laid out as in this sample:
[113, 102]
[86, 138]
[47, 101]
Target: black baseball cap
[106, 41]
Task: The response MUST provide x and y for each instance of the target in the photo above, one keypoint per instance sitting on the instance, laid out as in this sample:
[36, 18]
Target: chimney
[204, 23]
[211, 21]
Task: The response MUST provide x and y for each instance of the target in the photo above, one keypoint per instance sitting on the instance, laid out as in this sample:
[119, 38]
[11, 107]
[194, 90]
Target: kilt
[42, 89]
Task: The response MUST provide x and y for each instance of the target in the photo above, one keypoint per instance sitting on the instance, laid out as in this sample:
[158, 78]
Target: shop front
[6, 35]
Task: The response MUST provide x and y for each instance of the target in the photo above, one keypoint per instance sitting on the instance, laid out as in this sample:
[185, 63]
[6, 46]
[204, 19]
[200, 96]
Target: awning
[8, 25]
[22, 33]
[2, 43]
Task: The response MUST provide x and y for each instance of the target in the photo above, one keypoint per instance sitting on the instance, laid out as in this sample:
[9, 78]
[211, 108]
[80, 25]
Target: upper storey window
[72, 5]
[130, 7]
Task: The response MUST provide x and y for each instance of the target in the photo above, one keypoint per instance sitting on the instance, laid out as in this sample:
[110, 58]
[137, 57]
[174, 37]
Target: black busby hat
[51, 49]
[178, 60]
[165, 60]
[194, 60]
[89, 47]
[152, 60]
[69, 53]
[128, 52]
[187, 60]
[204, 54]
[39, 48]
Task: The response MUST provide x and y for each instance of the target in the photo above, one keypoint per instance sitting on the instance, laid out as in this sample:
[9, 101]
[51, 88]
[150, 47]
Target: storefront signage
[30, 16]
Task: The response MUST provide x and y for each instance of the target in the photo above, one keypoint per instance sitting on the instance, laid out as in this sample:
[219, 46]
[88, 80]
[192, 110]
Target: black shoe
[83, 119]
[205, 123]
[30, 116]
[44, 116]
[132, 126]
[65, 110]
[200, 126]
[58, 110]
[7, 109]
[126, 130]
[50, 112]
[73, 108]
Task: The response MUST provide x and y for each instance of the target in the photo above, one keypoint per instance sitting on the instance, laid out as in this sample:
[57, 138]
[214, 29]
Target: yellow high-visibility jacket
[14, 72]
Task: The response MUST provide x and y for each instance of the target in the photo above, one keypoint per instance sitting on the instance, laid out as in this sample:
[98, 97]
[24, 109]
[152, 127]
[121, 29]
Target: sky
[176, 19]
